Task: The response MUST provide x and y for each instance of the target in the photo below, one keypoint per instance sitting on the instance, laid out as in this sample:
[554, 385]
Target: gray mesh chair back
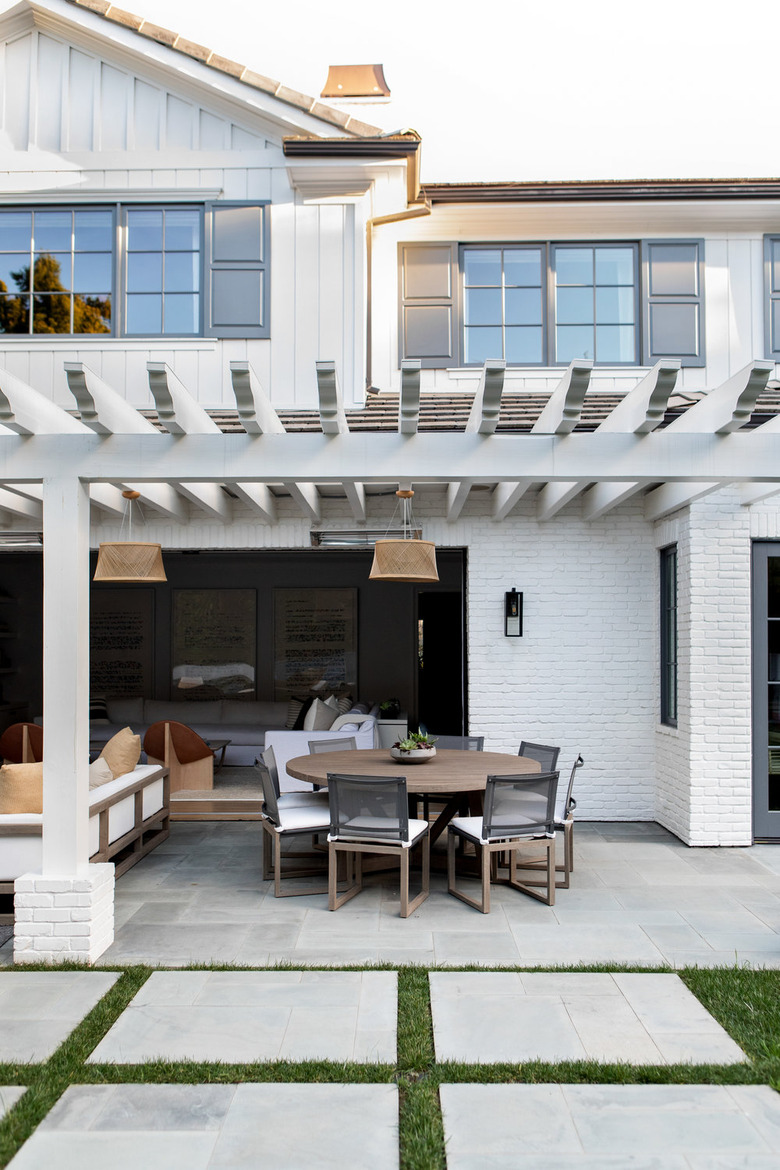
[368, 807]
[370, 814]
[347, 744]
[270, 792]
[269, 759]
[461, 743]
[519, 806]
[544, 755]
[564, 803]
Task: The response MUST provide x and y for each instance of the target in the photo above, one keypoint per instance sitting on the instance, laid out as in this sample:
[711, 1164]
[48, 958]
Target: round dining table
[450, 776]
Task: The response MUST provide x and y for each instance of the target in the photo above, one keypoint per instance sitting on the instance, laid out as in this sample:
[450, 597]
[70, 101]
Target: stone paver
[9, 1095]
[482, 1017]
[219, 1127]
[638, 895]
[242, 1016]
[593, 1127]
[38, 1009]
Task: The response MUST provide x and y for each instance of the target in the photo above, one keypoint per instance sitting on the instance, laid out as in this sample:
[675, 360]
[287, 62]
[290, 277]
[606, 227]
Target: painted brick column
[59, 919]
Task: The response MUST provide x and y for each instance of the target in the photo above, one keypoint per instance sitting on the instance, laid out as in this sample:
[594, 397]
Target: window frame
[520, 245]
[553, 323]
[770, 299]
[122, 255]
[669, 631]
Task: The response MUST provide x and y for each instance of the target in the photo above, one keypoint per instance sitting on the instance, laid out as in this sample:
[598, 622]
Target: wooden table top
[449, 770]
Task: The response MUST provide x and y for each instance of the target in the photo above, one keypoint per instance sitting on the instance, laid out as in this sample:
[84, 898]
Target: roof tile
[119, 16]
[192, 49]
[156, 33]
[225, 65]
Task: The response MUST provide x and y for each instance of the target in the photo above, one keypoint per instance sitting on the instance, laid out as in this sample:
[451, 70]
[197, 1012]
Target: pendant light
[408, 559]
[130, 561]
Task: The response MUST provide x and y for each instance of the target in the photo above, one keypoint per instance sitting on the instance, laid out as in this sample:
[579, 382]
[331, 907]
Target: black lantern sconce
[513, 614]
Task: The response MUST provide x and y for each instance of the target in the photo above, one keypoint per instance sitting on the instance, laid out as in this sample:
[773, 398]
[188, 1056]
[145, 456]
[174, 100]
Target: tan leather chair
[188, 758]
[22, 743]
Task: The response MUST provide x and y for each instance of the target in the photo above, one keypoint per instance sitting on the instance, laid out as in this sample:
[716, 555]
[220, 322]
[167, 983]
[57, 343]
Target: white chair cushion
[472, 827]
[301, 799]
[363, 826]
[304, 816]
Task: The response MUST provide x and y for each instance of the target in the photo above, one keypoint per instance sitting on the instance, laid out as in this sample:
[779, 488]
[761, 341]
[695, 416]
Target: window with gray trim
[772, 278]
[537, 304]
[135, 270]
[669, 635]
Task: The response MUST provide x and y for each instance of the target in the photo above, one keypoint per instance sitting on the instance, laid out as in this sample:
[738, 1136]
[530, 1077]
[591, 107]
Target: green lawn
[746, 1002]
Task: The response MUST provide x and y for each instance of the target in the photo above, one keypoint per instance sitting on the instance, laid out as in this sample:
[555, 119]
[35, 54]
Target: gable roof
[177, 43]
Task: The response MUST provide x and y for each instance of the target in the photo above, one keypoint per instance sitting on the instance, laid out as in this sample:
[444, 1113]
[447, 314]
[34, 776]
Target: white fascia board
[164, 65]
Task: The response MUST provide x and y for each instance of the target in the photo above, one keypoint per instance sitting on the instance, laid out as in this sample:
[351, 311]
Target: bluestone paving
[483, 1017]
[638, 895]
[216, 1127]
[243, 1016]
[646, 1127]
[39, 1009]
[9, 1095]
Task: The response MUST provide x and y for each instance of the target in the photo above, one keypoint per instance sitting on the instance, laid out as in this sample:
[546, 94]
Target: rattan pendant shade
[410, 559]
[130, 562]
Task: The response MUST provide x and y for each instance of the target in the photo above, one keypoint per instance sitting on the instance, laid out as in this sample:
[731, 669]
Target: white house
[578, 379]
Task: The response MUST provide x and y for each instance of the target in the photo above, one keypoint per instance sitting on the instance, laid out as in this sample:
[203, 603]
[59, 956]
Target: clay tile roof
[449, 412]
[206, 56]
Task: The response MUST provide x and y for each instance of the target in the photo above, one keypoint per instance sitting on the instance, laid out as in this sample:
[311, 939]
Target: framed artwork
[214, 648]
[121, 642]
[315, 640]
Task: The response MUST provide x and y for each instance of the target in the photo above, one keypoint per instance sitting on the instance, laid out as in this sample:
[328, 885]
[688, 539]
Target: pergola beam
[486, 407]
[26, 411]
[669, 497]
[258, 497]
[726, 408]
[333, 420]
[409, 400]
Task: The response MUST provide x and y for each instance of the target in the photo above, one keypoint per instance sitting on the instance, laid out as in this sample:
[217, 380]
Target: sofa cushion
[100, 772]
[319, 717]
[298, 725]
[259, 714]
[21, 788]
[122, 752]
[182, 712]
[125, 711]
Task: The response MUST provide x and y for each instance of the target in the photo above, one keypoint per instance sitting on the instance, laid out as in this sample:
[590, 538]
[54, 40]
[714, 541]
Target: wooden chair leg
[483, 905]
[335, 900]
[548, 844]
[408, 907]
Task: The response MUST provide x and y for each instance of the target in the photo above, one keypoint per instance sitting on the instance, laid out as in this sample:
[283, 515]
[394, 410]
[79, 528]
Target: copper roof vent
[355, 81]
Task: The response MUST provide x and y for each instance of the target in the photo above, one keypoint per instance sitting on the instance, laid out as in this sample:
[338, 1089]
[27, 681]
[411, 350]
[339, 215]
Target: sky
[506, 90]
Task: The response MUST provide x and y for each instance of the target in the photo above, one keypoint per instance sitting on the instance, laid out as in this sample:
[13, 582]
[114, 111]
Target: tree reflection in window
[54, 308]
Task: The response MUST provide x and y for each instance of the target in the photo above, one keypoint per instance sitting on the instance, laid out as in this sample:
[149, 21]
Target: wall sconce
[513, 614]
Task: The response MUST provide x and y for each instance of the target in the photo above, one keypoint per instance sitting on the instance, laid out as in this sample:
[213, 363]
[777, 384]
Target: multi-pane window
[669, 635]
[56, 271]
[163, 271]
[504, 305]
[595, 291]
[135, 271]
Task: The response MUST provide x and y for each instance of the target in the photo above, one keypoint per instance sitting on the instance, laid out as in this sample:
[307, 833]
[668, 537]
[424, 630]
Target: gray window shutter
[673, 301]
[429, 326]
[237, 293]
[772, 298]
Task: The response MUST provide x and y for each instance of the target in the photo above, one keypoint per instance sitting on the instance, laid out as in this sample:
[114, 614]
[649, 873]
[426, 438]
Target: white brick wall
[59, 919]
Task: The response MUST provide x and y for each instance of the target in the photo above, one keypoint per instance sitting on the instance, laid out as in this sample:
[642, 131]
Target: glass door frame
[766, 821]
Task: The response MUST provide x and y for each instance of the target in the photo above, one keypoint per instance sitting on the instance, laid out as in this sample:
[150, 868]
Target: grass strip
[48, 1081]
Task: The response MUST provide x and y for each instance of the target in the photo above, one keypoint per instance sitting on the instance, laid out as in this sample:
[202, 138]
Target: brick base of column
[64, 919]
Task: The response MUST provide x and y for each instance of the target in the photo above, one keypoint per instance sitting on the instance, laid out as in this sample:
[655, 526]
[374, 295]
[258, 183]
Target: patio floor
[638, 895]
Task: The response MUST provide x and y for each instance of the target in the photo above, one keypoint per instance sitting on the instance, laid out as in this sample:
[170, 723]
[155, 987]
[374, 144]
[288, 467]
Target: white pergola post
[67, 911]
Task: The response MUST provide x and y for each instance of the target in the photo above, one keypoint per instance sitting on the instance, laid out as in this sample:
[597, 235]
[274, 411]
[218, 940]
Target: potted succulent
[389, 709]
[417, 748]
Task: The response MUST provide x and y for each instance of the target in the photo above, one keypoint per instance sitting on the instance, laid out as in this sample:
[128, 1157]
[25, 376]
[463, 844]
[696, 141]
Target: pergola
[54, 463]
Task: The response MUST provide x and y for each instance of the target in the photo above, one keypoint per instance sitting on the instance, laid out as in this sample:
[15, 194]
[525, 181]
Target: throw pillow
[332, 702]
[21, 788]
[298, 725]
[345, 704]
[319, 717]
[294, 708]
[123, 752]
[99, 772]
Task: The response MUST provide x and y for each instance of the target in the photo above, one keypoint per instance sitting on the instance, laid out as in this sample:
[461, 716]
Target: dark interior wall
[387, 613]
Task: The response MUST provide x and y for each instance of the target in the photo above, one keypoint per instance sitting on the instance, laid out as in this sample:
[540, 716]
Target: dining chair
[289, 799]
[565, 805]
[544, 755]
[519, 815]
[347, 744]
[186, 755]
[289, 822]
[370, 814]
